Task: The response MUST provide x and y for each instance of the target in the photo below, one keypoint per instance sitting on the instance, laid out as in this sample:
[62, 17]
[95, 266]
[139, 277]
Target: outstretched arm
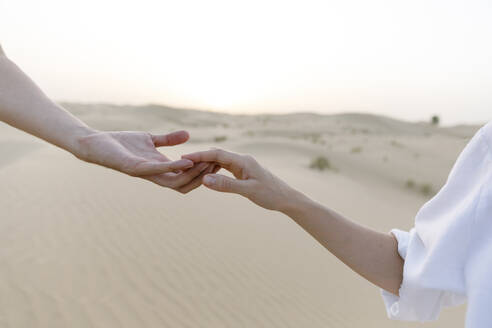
[24, 106]
[371, 254]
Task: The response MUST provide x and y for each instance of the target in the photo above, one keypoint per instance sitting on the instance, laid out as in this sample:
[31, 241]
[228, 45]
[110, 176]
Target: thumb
[222, 183]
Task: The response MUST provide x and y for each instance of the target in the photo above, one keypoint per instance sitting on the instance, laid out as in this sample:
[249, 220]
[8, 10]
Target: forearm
[373, 255]
[24, 106]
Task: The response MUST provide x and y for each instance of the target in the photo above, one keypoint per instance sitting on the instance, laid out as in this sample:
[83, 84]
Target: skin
[24, 106]
[373, 255]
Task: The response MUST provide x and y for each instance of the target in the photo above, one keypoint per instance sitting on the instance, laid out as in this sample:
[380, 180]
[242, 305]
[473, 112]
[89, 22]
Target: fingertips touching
[181, 164]
[197, 181]
[195, 157]
[203, 156]
[187, 176]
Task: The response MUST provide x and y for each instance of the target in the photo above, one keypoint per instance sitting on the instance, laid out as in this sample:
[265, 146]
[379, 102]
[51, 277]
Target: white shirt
[448, 254]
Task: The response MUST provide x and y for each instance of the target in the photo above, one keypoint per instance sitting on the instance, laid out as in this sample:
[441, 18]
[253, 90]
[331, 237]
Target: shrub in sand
[355, 150]
[410, 184]
[396, 144]
[425, 189]
[435, 120]
[220, 138]
[320, 163]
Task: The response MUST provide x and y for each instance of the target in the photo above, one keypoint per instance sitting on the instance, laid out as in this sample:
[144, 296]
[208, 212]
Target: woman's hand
[251, 179]
[24, 106]
[135, 154]
[371, 254]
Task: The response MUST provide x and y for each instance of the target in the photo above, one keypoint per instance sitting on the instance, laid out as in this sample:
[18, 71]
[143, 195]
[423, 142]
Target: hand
[252, 180]
[24, 106]
[135, 154]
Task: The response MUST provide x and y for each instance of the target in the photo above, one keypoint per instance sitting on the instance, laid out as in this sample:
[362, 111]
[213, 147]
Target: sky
[405, 59]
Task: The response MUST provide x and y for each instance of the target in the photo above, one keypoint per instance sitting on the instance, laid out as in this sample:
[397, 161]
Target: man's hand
[135, 154]
[252, 180]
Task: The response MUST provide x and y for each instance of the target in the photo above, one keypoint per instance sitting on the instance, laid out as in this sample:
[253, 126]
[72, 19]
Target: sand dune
[83, 246]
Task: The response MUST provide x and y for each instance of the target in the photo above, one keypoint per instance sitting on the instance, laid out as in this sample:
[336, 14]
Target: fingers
[184, 178]
[222, 183]
[171, 139]
[220, 156]
[197, 181]
[176, 181]
[216, 169]
[153, 168]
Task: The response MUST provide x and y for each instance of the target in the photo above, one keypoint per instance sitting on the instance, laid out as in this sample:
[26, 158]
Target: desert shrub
[220, 138]
[435, 120]
[357, 149]
[397, 144]
[426, 189]
[320, 163]
[410, 183]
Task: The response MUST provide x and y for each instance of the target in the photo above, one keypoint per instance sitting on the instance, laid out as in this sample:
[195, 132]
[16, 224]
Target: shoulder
[486, 134]
[478, 150]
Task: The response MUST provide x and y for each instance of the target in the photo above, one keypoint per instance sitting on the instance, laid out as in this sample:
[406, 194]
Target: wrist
[295, 203]
[76, 145]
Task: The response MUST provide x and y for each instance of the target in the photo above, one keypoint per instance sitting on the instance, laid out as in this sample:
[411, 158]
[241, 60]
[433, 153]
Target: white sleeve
[436, 250]
[415, 304]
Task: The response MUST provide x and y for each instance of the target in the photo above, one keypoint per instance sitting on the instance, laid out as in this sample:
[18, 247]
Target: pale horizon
[445, 123]
[404, 60]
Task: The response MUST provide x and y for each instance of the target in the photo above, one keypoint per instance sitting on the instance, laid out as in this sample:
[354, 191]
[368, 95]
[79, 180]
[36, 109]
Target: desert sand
[84, 246]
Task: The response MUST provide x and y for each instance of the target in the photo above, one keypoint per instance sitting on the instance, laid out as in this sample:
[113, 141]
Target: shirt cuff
[395, 307]
[410, 305]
